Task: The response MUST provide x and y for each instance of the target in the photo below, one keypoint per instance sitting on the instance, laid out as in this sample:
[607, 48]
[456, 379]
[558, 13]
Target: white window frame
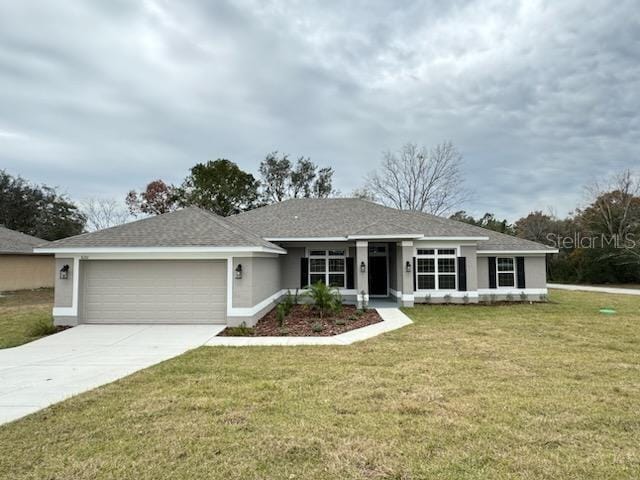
[512, 272]
[327, 257]
[436, 273]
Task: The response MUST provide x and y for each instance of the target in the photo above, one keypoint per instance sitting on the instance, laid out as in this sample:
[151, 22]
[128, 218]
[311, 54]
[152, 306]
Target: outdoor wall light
[408, 266]
[363, 267]
[239, 271]
[64, 272]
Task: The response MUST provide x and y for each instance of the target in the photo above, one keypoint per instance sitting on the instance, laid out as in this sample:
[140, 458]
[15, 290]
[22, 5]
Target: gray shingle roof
[12, 242]
[342, 217]
[189, 227]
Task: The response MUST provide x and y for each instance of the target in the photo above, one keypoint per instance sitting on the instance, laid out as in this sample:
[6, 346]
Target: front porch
[385, 275]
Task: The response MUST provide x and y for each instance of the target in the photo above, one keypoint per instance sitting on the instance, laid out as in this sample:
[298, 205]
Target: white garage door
[153, 291]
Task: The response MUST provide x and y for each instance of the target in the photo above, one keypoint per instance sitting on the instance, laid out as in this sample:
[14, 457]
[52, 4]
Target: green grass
[25, 316]
[485, 392]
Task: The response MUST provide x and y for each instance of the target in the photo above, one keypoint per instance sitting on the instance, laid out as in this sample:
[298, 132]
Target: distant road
[587, 288]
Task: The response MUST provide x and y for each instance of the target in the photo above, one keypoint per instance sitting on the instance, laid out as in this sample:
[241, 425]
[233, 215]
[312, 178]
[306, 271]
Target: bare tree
[416, 178]
[104, 213]
[615, 207]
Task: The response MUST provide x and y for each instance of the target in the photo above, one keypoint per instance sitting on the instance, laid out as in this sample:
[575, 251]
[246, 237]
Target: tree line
[222, 187]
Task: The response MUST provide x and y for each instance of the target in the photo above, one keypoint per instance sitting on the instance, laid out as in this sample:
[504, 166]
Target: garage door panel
[158, 291]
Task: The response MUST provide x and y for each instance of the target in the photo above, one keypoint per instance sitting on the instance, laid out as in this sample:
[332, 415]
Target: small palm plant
[325, 299]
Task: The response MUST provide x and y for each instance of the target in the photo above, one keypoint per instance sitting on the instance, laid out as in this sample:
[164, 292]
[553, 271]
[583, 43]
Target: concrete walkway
[587, 288]
[392, 319]
[51, 369]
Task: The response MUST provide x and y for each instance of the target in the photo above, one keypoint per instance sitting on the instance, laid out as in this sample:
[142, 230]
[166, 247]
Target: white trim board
[443, 293]
[453, 238]
[512, 291]
[392, 319]
[484, 253]
[415, 236]
[195, 249]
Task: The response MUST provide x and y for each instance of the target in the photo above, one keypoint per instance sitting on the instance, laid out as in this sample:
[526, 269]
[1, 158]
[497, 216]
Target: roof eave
[410, 236]
[479, 239]
[520, 251]
[183, 249]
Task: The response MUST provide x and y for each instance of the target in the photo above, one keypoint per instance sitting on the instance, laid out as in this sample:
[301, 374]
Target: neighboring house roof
[12, 242]
[342, 218]
[190, 227]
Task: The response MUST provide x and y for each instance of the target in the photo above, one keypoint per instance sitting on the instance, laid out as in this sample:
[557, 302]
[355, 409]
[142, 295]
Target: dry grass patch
[25, 316]
[522, 391]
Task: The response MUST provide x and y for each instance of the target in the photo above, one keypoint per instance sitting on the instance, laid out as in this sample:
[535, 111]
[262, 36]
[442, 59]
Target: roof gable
[12, 242]
[189, 227]
[351, 217]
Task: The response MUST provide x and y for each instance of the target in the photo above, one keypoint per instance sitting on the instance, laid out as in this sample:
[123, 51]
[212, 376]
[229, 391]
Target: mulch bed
[301, 319]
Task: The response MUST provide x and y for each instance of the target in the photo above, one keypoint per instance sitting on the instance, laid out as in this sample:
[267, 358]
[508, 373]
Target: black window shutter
[350, 279]
[492, 272]
[520, 272]
[415, 274]
[462, 274]
[304, 272]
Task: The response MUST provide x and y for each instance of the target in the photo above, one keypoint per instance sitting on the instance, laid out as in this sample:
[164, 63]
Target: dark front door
[378, 276]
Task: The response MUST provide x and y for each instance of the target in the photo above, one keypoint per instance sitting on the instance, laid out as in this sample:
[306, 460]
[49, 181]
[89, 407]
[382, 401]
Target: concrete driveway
[49, 370]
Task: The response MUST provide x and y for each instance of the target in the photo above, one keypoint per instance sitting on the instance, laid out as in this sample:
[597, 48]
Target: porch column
[405, 279]
[362, 278]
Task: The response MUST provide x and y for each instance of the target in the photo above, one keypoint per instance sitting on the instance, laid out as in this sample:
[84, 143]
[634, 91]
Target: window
[328, 267]
[506, 272]
[377, 250]
[436, 269]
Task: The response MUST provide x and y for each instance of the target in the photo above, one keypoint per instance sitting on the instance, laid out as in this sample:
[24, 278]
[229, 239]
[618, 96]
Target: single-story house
[191, 266]
[20, 267]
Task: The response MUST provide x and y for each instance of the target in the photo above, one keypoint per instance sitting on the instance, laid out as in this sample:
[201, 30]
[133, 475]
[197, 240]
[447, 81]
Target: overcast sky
[539, 97]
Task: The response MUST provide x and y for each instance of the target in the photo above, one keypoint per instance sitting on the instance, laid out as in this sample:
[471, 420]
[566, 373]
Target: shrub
[509, 297]
[447, 298]
[288, 303]
[523, 296]
[465, 299]
[492, 298]
[281, 312]
[341, 321]
[317, 327]
[44, 326]
[240, 331]
[544, 298]
[284, 332]
[325, 299]
[427, 298]
[359, 312]
[353, 318]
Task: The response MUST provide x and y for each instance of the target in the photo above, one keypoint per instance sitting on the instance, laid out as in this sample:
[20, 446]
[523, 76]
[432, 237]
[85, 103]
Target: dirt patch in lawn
[304, 321]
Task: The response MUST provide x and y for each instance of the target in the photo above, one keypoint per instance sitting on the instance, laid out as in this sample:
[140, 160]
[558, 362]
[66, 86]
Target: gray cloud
[540, 97]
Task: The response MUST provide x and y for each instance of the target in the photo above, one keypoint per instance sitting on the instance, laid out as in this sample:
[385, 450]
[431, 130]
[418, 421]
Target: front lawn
[25, 315]
[512, 391]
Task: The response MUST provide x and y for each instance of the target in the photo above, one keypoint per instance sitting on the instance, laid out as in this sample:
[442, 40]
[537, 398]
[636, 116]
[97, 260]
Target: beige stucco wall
[535, 271]
[260, 279]
[63, 295]
[290, 263]
[20, 272]
[483, 272]
[290, 268]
